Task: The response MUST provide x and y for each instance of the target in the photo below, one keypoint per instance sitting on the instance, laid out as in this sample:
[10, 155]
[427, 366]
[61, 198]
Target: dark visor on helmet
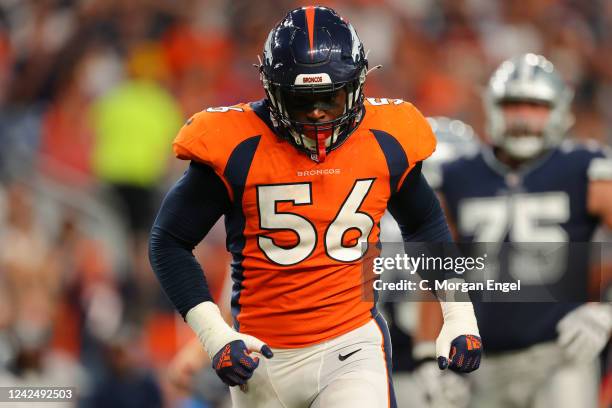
[290, 103]
[306, 101]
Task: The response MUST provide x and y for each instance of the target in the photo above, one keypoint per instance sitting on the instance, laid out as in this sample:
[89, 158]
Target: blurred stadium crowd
[92, 93]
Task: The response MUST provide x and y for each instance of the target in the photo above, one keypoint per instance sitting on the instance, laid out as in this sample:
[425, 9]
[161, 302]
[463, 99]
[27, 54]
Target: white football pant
[349, 371]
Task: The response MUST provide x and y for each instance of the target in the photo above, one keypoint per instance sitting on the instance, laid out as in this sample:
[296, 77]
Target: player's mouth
[317, 134]
[524, 131]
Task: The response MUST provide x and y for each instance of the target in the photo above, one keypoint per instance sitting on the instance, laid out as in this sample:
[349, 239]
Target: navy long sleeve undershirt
[417, 210]
[189, 210]
[195, 203]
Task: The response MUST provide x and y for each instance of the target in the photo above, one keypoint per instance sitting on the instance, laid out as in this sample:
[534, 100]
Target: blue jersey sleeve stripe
[236, 172]
[396, 158]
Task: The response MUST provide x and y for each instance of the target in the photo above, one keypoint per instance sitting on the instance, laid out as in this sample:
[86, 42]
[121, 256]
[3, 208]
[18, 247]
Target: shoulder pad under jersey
[405, 123]
[594, 156]
[211, 135]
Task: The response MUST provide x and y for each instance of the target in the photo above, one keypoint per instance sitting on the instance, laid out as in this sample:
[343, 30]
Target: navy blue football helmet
[314, 51]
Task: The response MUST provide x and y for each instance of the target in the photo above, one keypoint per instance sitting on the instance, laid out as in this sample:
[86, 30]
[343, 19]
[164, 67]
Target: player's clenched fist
[464, 356]
[229, 350]
[459, 346]
[234, 365]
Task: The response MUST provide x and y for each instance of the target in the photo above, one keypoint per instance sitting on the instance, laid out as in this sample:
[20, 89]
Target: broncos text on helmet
[313, 51]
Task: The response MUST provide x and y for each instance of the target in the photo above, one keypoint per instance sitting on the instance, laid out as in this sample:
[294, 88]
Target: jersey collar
[503, 170]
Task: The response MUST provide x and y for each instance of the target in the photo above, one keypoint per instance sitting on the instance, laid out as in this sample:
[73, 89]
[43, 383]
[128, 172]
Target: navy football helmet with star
[314, 51]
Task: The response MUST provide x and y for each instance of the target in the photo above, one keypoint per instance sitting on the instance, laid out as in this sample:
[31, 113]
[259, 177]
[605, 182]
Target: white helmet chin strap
[524, 147]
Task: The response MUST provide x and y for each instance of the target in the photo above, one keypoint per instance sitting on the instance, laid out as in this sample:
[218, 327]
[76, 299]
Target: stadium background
[92, 92]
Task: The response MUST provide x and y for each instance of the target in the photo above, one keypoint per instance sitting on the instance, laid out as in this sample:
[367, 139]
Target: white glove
[206, 321]
[585, 331]
[440, 389]
[460, 331]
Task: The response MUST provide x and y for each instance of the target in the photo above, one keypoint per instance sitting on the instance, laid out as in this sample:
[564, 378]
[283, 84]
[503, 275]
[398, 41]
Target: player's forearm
[433, 229]
[419, 214]
[189, 210]
[177, 270]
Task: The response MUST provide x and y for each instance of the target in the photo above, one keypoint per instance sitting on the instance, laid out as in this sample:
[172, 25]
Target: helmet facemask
[525, 124]
[316, 138]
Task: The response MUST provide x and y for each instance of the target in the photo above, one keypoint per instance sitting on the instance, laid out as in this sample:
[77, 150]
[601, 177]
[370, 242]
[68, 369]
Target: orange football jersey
[298, 228]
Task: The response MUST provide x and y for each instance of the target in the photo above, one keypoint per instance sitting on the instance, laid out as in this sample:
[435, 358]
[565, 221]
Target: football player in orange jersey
[303, 178]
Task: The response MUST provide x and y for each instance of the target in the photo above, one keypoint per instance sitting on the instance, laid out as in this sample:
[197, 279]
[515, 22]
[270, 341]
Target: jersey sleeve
[600, 166]
[589, 157]
[422, 141]
[193, 139]
[415, 136]
[210, 136]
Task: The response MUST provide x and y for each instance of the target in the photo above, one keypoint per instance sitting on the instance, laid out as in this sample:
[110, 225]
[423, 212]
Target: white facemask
[524, 147]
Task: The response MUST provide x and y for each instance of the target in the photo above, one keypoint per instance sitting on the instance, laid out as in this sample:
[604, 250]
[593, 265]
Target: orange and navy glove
[228, 349]
[234, 365]
[458, 346]
[465, 354]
